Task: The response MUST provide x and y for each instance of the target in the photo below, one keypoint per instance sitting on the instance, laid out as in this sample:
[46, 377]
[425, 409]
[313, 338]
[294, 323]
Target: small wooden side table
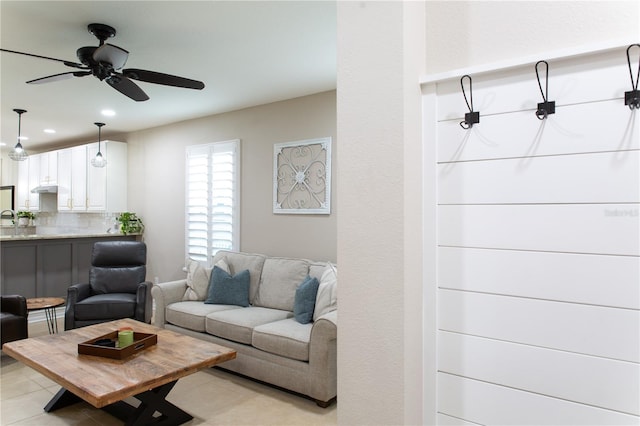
[49, 304]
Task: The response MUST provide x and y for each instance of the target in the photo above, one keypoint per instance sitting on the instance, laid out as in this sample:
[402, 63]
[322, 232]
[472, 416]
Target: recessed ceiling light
[3, 144]
[23, 138]
[51, 131]
[108, 112]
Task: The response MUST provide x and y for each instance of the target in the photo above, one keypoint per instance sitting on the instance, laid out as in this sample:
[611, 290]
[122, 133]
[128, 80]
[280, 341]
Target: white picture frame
[302, 177]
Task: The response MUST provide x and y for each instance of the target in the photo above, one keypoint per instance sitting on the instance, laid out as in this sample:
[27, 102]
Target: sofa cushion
[316, 269]
[191, 314]
[279, 281]
[238, 261]
[327, 297]
[125, 279]
[238, 324]
[305, 300]
[117, 266]
[287, 338]
[106, 306]
[225, 289]
[198, 278]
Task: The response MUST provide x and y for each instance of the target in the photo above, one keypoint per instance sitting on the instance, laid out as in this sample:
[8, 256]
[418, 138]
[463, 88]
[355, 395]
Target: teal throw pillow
[305, 300]
[225, 289]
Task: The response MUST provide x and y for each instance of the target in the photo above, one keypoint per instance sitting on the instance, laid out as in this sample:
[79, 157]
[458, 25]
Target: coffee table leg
[62, 399]
[151, 401]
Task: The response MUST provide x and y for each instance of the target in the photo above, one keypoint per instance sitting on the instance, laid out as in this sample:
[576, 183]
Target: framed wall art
[302, 177]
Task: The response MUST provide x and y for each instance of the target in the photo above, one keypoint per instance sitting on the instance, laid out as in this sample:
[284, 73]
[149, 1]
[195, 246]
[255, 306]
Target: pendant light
[18, 153]
[98, 160]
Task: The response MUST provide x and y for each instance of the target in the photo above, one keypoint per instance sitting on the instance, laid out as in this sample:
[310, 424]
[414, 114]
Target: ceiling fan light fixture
[99, 161]
[106, 62]
[18, 153]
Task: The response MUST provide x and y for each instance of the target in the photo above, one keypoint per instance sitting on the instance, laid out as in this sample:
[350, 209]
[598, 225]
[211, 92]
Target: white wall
[458, 36]
[380, 223]
[375, 380]
[466, 33]
[157, 181]
[539, 248]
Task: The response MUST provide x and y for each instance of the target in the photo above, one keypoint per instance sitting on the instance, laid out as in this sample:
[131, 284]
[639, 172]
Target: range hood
[45, 189]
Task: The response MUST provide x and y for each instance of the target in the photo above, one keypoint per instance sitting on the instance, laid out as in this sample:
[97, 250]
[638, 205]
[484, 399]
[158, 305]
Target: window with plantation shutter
[212, 199]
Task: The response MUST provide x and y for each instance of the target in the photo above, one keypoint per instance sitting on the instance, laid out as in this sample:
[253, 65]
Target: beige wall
[380, 333]
[380, 48]
[157, 183]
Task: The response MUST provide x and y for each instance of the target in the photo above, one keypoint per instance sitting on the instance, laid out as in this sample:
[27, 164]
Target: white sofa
[272, 346]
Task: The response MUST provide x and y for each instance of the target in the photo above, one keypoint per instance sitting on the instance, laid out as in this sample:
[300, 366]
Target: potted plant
[24, 217]
[130, 223]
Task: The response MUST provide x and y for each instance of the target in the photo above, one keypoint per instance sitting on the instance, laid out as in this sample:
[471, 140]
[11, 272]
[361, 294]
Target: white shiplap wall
[538, 248]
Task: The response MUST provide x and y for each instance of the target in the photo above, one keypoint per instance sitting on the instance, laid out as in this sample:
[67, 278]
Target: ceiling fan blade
[112, 54]
[67, 63]
[161, 78]
[127, 87]
[59, 77]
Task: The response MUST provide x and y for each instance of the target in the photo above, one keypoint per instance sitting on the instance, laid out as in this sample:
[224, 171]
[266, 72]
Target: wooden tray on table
[141, 341]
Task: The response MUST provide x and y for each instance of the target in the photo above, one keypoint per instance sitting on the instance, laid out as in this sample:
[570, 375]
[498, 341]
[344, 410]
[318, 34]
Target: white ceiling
[246, 53]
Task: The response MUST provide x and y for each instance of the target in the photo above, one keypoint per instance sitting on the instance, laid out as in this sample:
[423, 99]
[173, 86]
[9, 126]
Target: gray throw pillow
[225, 289]
[305, 300]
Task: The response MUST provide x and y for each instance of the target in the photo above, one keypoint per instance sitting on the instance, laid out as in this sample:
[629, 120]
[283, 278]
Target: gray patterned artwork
[302, 177]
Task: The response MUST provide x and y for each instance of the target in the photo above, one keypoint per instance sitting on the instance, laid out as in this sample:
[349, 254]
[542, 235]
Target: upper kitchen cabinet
[84, 188]
[28, 178]
[37, 170]
[48, 168]
[107, 186]
[72, 179]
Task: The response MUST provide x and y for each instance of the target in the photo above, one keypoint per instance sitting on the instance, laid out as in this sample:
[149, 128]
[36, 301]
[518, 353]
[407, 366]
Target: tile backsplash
[75, 223]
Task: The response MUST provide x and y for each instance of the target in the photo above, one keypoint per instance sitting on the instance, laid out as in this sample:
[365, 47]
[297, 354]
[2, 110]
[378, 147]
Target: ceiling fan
[105, 62]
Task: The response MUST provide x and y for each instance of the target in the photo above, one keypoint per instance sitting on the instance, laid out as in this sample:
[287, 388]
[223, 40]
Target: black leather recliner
[13, 318]
[116, 289]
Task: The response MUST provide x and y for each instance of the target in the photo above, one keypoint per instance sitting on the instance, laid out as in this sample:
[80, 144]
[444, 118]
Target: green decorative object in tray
[106, 345]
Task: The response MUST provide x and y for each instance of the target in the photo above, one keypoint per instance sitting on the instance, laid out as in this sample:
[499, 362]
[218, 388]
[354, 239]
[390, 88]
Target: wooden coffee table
[148, 375]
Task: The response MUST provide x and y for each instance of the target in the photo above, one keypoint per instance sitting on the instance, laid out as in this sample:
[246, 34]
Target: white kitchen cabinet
[72, 179]
[107, 186]
[84, 188]
[36, 170]
[34, 181]
[22, 188]
[48, 168]
[81, 187]
[28, 178]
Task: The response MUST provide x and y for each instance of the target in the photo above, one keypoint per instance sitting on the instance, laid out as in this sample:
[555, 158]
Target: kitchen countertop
[59, 236]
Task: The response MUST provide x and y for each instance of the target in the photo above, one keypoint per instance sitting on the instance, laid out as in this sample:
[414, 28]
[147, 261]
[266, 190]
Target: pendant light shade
[99, 160]
[18, 153]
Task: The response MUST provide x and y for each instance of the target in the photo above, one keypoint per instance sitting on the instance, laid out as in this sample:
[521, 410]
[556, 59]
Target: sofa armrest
[331, 317]
[14, 304]
[323, 338]
[165, 294]
[75, 294]
[323, 349]
[144, 304]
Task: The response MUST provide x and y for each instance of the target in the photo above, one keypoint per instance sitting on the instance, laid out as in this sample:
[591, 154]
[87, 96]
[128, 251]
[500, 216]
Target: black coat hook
[472, 117]
[546, 107]
[632, 98]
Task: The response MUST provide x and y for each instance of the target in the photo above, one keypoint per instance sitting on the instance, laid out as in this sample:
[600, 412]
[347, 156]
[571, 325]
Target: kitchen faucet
[14, 216]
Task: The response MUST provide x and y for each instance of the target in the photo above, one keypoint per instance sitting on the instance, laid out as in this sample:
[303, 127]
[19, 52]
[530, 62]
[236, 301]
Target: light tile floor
[211, 396]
